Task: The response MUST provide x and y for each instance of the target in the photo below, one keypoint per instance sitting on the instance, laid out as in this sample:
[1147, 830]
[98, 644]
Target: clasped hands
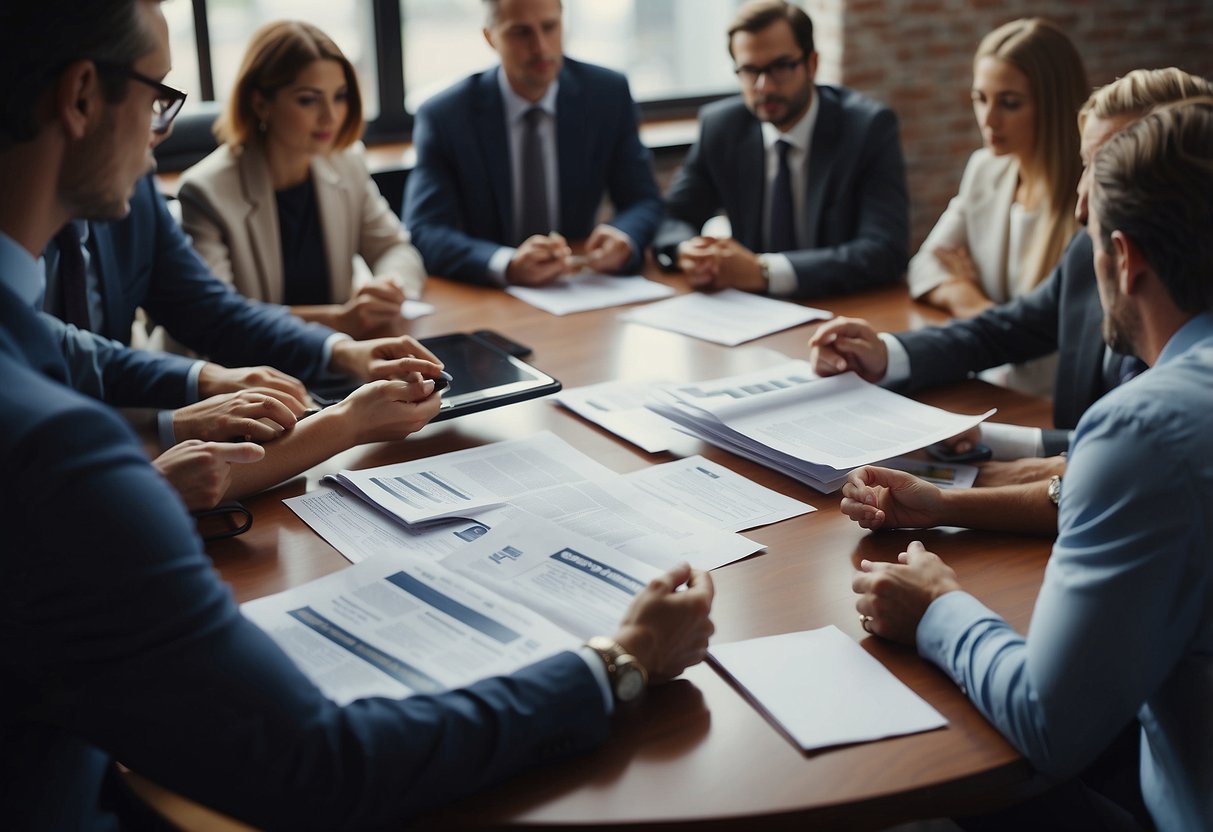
[545, 258]
[714, 263]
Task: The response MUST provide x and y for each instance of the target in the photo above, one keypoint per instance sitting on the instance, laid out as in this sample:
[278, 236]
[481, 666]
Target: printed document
[728, 317]
[619, 407]
[590, 290]
[820, 688]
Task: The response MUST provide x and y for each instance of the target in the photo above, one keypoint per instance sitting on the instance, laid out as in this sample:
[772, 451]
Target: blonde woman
[1009, 224]
[282, 207]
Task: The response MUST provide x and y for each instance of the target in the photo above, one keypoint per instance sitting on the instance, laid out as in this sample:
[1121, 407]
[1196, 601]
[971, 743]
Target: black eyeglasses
[165, 106]
[778, 70]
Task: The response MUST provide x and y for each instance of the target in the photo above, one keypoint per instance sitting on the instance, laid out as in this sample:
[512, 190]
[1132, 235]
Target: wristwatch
[627, 676]
[1054, 490]
[764, 266]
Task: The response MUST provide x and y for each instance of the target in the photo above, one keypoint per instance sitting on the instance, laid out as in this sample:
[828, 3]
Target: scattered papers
[590, 290]
[619, 407]
[812, 429]
[822, 689]
[727, 317]
[943, 474]
[715, 494]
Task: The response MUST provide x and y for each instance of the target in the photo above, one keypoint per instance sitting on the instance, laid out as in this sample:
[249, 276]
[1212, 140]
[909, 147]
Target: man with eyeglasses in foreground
[118, 641]
[811, 178]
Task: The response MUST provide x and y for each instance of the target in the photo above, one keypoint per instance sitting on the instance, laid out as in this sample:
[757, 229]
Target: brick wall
[917, 56]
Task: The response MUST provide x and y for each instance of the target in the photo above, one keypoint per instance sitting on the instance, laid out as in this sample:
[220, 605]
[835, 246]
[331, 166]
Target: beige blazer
[228, 209]
[979, 218]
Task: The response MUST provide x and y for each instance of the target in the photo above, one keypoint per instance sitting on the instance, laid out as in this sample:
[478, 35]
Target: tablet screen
[482, 377]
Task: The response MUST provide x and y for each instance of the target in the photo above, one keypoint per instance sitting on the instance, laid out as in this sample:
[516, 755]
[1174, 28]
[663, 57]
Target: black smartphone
[506, 345]
[942, 453]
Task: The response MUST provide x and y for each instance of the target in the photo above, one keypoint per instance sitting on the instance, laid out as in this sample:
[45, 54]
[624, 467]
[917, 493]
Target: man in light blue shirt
[1124, 621]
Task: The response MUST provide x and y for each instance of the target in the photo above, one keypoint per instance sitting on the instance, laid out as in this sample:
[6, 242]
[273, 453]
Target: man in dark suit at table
[119, 641]
[811, 177]
[514, 161]
[1061, 315]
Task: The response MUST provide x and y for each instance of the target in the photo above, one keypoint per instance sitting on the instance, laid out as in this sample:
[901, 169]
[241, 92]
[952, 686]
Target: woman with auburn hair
[284, 204]
[1009, 224]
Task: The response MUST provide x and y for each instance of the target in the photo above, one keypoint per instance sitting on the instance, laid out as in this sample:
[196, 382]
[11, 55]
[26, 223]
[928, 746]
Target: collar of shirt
[516, 106]
[20, 271]
[800, 136]
[1194, 331]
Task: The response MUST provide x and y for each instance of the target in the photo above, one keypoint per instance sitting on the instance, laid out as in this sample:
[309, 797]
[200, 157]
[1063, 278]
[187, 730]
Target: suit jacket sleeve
[209, 317]
[874, 253]
[693, 199]
[431, 209]
[118, 375]
[383, 241]
[631, 186]
[175, 683]
[925, 271]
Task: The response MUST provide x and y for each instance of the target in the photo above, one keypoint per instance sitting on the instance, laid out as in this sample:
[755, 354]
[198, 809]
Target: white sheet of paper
[619, 407]
[823, 689]
[575, 582]
[411, 310]
[715, 494]
[943, 474]
[590, 290]
[727, 317]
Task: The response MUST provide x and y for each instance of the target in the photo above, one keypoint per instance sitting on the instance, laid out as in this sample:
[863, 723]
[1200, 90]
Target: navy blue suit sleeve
[631, 185]
[210, 317]
[432, 210]
[117, 632]
[693, 199]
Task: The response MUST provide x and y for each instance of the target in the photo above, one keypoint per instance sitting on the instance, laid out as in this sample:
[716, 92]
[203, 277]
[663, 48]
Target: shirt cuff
[164, 427]
[499, 263]
[1013, 441]
[897, 370]
[326, 353]
[191, 381]
[594, 662]
[943, 626]
[781, 276]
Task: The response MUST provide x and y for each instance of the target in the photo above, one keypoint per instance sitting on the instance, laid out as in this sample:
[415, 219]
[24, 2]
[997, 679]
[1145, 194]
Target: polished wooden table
[696, 752]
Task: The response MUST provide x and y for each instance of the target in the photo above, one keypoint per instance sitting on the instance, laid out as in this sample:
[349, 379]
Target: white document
[590, 290]
[728, 317]
[619, 407]
[823, 689]
[715, 494]
[943, 474]
[575, 582]
[411, 310]
[397, 625]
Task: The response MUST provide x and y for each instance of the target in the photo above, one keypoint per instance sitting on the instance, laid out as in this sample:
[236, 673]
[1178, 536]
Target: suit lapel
[822, 158]
[489, 124]
[751, 167]
[261, 221]
[571, 146]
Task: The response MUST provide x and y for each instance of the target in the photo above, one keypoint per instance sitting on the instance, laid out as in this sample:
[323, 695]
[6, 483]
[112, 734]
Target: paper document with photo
[461, 483]
[822, 689]
[619, 407]
[577, 583]
[728, 317]
[715, 494]
[590, 290]
[397, 625]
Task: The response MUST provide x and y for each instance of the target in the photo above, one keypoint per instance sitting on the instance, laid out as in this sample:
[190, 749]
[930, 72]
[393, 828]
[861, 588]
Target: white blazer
[229, 210]
[979, 218]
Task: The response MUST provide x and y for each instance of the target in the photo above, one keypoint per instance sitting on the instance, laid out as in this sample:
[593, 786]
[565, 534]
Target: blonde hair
[276, 55]
[1141, 90]
[1058, 84]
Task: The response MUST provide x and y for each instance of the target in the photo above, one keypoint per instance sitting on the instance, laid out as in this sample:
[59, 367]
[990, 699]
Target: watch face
[629, 683]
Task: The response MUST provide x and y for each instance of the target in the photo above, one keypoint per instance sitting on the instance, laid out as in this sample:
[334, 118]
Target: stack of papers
[590, 290]
[815, 430]
[727, 317]
[822, 689]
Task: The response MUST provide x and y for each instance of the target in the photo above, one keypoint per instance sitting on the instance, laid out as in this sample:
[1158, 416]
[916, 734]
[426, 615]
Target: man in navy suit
[119, 641]
[811, 178]
[514, 161]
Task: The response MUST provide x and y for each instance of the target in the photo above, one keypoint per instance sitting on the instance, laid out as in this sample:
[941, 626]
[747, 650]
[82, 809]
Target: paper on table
[943, 474]
[590, 290]
[726, 317]
[410, 310]
[715, 494]
[619, 407]
[823, 689]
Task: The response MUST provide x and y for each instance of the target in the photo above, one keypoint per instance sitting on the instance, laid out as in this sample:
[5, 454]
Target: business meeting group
[1075, 263]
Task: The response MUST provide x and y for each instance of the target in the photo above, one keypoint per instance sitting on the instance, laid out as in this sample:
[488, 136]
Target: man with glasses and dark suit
[811, 178]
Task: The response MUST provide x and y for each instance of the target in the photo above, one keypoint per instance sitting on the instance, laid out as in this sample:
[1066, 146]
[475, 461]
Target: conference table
[695, 751]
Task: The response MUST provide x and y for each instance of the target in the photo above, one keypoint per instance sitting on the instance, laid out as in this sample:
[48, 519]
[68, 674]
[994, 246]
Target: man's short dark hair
[754, 17]
[39, 38]
[1152, 182]
[491, 8]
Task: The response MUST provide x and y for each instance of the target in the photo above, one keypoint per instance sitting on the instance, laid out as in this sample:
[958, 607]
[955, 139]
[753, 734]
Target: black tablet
[482, 377]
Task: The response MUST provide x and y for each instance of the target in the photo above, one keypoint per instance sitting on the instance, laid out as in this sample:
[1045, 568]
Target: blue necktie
[783, 211]
[73, 291]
